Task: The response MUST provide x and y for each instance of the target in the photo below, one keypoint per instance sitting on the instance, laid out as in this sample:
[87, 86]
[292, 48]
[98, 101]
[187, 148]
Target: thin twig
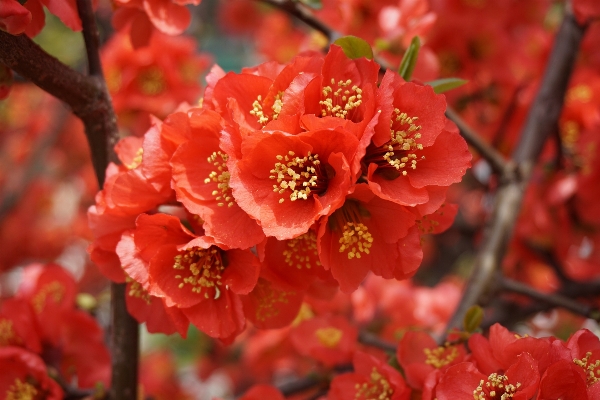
[543, 116]
[496, 160]
[553, 299]
[296, 10]
[369, 339]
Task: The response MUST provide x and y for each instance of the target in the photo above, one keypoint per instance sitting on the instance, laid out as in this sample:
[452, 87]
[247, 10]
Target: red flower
[14, 18]
[24, 376]
[260, 392]
[138, 17]
[268, 306]
[420, 356]
[328, 339]
[292, 264]
[201, 181]
[413, 150]
[203, 280]
[288, 182]
[464, 382]
[369, 234]
[372, 379]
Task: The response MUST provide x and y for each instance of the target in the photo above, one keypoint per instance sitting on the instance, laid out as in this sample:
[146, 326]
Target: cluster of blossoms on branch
[503, 365]
[289, 181]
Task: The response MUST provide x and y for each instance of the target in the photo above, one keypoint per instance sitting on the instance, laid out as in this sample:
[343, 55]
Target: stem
[125, 331]
[492, 156]
[553, 299]
[542, 118]
[299, 12]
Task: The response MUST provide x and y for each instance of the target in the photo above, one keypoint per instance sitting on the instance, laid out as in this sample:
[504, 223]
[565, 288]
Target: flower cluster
[289, 181]
[42, 333]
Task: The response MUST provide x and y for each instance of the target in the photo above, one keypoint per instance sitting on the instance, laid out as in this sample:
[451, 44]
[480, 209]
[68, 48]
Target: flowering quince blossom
[140, 17]
[29, 18]
[322, 173]
[203, 280]
[24, 376]
[372, 379]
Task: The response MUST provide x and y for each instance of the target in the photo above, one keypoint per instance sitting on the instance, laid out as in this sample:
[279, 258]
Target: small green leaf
[445, 84]
[355, 47]
[314, 4]
[473, 318]
[409, 60]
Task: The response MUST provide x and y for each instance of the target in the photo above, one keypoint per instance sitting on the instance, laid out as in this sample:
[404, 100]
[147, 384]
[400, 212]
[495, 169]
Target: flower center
[400, 152]
[136, 290]
[7, 333]
[355, 239]
[340, 99]
[378, 387]
[53, 291]
[21, 391]
[221, 178]
[355, 236]
[137, 160]
[329, 337]
[300, 176]
[269, 299]
[440, 356]
[201, 269]
[592, 370]
[495, 387]
[259, 113]
[302, 251]
[151, 81]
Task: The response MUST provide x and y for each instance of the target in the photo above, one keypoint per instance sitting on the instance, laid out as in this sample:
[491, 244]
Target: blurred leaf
[314, 4]
[473, 318]
[355, 47]
[409, 60]
[446, 84]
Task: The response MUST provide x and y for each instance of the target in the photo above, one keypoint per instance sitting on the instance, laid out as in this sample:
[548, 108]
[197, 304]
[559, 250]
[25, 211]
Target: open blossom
[203, 280]
[414, 151]
[288, 182]
[372, 379]
[369, 234]
[201, 181]
[24, 376]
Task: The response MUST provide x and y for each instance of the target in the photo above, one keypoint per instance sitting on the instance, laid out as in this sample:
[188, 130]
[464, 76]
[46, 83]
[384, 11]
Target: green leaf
[445, 84]
[355, 47]
[314, 4]
[473, 318]
[409, 60]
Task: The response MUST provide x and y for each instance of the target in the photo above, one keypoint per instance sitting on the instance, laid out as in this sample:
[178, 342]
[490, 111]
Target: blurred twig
[541, 120]
[490, 154]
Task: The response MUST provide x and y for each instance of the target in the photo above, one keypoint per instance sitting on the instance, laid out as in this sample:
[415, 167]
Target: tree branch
[542, 117]
[296, 10]
[85, 95]
[552, 299]
[125, 330]
[496, 160]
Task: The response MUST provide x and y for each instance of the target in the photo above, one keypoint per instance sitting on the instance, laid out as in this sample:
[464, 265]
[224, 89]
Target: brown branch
[507, 313]
[542, 118]
[85, 95]
[298, 11]
[551, 299]
[496, 160]
[125, 330]
[371, 340]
